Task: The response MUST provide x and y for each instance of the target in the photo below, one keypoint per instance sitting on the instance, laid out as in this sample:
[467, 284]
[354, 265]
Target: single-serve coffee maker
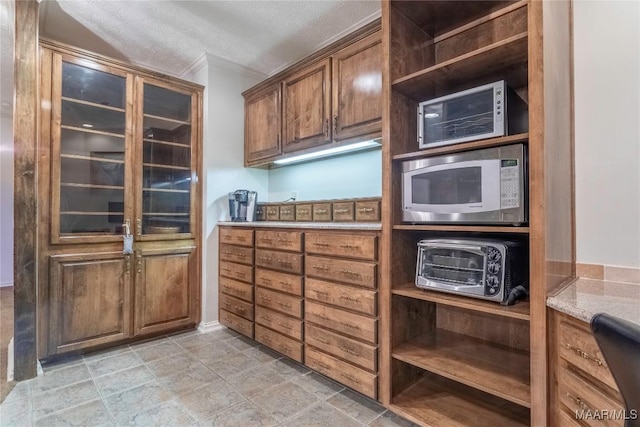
[242, 205]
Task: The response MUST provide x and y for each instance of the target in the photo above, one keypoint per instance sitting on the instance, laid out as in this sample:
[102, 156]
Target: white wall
[607, 131]
[6, 200]
[353, 175]
[223, 160]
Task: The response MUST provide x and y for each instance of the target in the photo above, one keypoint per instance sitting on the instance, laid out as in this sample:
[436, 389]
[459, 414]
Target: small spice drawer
[283, 303]
[237, 306]
[360, 300]
[287, 212]
[236, 271]
[358, 273]
[261, 212]
[236, 236]
[282, 261]
[343, 211]
[368, 210]
[349, 375]
[354, 325]
[578, 347]
[580, 395]
[341, 245]
[279, 281]
[281, 240]
[273, 212]
[279, 343]
[361, 354]
[237, 323]
[279, 322]
[237, 289]
[322, 212]
[304, 212]
[237, 254]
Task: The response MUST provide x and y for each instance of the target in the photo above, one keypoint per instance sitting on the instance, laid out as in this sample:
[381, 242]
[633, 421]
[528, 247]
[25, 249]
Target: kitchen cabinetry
[441, 351]
[120, 155]
[582, 384]
[328, 99]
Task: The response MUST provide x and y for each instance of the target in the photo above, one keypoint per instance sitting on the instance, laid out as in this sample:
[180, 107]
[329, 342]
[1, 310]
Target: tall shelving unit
[452, 360]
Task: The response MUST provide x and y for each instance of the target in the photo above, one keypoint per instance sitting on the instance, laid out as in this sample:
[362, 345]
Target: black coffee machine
[242, 205]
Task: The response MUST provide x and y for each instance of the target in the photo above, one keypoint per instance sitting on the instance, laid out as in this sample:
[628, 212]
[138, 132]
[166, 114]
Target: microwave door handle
[471, 248]
[420, 126]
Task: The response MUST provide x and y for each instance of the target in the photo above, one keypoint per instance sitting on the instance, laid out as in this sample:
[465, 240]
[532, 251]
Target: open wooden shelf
[436, 401]
[504, 56]
[519, 310]
[492, 368]
[475, 145]
[464, 228]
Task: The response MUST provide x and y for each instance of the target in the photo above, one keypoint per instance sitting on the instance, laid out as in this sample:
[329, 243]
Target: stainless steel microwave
[485, 186]
[485, 111]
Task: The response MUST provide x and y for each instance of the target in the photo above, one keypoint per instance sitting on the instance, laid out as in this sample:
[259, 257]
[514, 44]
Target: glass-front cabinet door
[166, 184]
[91, 139]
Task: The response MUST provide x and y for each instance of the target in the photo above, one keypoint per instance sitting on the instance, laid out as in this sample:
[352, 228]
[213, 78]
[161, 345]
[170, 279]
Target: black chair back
[619, 341]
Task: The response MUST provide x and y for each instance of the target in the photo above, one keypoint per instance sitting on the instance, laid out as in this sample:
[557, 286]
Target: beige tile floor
[191, 379]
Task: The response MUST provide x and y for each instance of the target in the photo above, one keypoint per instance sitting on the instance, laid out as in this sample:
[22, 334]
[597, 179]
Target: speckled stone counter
[317, 225]
[586, 297]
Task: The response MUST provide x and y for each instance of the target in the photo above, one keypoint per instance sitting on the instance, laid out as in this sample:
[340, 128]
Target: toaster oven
[490, 270]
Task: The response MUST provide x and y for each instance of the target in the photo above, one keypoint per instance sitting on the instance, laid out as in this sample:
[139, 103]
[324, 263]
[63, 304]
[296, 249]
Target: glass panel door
[89, 152]
[166, 161]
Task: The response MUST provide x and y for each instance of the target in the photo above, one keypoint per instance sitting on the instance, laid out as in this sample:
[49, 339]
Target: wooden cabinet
[306, 103]
[582, 385]
[120, 156]
[263, 125]
[329, 99]
[357, 89]
[439, 350]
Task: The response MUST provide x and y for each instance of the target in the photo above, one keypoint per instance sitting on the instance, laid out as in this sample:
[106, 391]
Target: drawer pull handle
[321, 293]
[226, 303]
[350, 378]
[580, 402]
[350, 299]
[227, 237]
[265, 318]
[285, 241]
[272, 212]
[321, 245]
[241, 239]
[263, 298]
[285, 263]
[349, 351]
[320, 211]
[284, 325]
[365, 210]
[238, 274]
[226, 270]
[285, 212]
[265, 280]
[320, 267]
[284, 304]
[265, 240]
[302, 211]
[322, 316]
[265, 339]
[285, 348]
[227, 252]
[240, 309]
[350, 326]
[284, 284]
[584, 355]
[323, 341]
[323, 366]
[351, 274]
[348, 246]
[265, 258]
[339, 211]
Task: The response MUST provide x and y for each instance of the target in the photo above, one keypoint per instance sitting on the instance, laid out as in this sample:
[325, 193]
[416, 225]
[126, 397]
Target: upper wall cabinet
[331, 98]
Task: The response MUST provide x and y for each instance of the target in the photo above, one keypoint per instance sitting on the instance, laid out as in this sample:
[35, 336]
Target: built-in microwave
[486, 186]
[485, 111]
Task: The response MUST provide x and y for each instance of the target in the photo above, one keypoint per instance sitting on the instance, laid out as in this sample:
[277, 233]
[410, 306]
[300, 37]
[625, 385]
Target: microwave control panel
[509, 184]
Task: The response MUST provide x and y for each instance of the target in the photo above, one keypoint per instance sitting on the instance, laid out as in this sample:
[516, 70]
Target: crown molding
[216, 61]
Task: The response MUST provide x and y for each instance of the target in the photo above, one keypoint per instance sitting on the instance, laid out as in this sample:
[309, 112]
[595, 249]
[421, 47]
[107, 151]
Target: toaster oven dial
[493, 284]
[494, 254]
[494, 267]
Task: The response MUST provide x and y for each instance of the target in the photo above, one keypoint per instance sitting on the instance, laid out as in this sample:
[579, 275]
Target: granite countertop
[586, 297]
[317, 225]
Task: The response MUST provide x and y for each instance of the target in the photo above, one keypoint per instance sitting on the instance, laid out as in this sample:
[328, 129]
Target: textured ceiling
[169, 35]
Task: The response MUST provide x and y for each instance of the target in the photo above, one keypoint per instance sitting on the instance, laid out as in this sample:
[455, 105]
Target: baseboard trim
[205, 327]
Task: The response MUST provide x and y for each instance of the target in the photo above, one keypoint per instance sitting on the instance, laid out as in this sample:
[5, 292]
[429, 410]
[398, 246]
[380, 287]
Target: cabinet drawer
[580, 396]
[368, 211]
[238, 254]
[287, 262]
[343, 211]
[279, 281]
[237, 289]
[354, 272]
[282, 240]
[236, 271]
[354, 325]
[361, 300]
[287, 212]
[279, 343]
[261, 212]
[236, 306]
[579, 347]
[345, 348]
[355, 378]
[280, 302]
[237, 323]
[343, 245]
[322, 211]
[279, 322]
[303, 212]
[273, 212]
[236, 236]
